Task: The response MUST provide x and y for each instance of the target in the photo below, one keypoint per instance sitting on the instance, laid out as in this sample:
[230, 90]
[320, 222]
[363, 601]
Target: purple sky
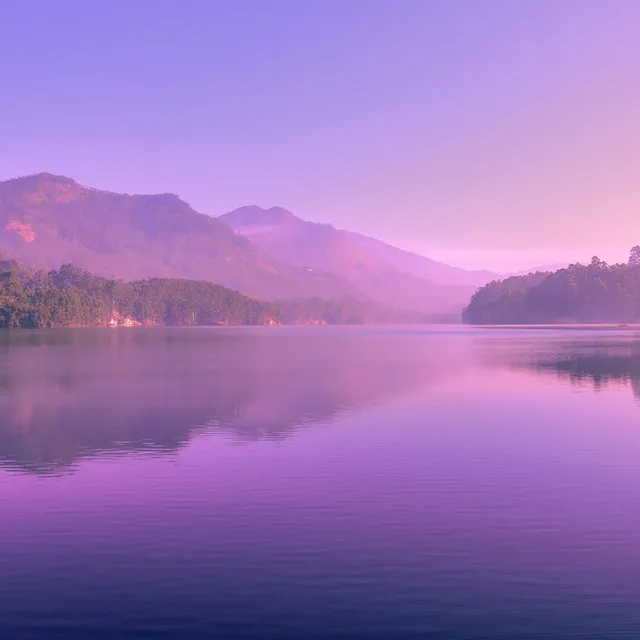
[493, 133]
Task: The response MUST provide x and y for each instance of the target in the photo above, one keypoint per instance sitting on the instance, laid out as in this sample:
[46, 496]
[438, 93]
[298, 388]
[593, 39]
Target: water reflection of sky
[72, 394]
[431, 485]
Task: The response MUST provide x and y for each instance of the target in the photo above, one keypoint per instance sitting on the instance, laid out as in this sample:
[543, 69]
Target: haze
[494, 135]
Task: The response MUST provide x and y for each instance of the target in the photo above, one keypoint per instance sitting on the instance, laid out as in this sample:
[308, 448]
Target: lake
[320, 482]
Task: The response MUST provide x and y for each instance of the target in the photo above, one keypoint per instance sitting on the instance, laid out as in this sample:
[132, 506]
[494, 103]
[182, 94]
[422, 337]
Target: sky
[486, 133]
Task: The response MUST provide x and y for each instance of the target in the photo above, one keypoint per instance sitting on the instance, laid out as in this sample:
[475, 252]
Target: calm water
[320, 482]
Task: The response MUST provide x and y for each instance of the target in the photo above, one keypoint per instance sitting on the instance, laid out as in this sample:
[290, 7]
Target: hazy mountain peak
[255, 216]
[382, 272]
[281, 212]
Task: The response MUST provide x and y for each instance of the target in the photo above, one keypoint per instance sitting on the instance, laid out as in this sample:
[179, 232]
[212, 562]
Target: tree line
[592, 293]
[69, 297]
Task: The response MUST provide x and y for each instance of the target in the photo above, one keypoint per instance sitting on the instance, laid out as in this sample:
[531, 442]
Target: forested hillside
[73, 297]
[593, 293]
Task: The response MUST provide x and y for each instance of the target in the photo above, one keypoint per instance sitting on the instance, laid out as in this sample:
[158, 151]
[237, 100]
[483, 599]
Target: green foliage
[593, 293]
[73, 297]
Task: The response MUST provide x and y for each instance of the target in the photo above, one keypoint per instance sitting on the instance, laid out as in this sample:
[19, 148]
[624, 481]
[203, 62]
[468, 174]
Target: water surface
[320, 482]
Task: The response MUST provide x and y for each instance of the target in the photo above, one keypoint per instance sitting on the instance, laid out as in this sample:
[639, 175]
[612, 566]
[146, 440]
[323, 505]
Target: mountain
[382, 272]
[421, 266]
[48, 220]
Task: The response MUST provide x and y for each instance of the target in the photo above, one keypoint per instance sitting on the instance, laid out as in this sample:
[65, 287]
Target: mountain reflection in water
[69, 394]
[407, 482]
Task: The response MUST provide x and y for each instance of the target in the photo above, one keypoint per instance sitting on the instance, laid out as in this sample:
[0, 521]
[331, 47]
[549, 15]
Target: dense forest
[593, 293]
[73, 297]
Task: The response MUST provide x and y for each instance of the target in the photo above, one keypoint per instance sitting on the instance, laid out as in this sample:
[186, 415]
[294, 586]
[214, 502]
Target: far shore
[561, 325]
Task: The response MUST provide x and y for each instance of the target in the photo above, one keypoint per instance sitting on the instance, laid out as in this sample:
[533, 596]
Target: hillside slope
[48, 220]
[421, 266]
[281, 235]
[593, 293]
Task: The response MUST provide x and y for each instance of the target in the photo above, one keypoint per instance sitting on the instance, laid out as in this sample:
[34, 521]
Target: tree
[634, 257]
[594, 293]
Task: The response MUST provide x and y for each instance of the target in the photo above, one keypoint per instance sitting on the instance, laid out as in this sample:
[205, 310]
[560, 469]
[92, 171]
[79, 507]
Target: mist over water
[320, 482]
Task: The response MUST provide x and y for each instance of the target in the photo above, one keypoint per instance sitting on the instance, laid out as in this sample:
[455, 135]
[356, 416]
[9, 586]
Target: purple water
[320, 483]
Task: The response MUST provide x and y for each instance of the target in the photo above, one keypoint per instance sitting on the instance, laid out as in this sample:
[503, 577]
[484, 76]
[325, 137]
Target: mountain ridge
[48, 220]
[382, 272]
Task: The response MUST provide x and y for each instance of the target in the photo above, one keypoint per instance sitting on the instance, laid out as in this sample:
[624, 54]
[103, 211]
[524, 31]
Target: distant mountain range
[48, 220]
[383, 273]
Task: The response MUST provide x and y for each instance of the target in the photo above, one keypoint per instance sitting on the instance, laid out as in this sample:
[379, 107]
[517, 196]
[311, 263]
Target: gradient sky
[489, 133]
